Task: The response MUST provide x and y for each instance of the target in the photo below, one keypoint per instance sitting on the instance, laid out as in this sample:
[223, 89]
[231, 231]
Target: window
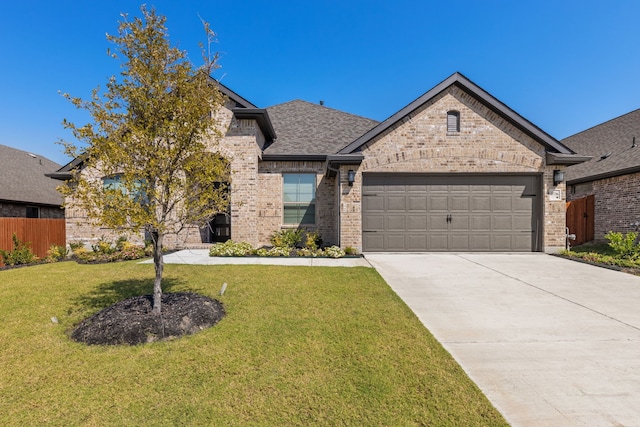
[114, 182]
[453, 121]
[299, 198]
[33, 212]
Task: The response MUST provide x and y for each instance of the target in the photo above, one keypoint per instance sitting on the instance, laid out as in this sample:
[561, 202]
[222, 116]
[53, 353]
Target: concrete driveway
[551, 342]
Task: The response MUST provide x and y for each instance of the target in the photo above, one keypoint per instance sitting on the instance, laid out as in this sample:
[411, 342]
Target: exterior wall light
[558, 177]
[351, 177]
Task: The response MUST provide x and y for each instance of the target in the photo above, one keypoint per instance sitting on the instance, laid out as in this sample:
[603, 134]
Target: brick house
[25, 191]
[612, 176]
[455, 170]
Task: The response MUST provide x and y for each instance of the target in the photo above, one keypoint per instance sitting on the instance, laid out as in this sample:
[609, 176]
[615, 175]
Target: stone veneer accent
[420, 143]
[616, 203]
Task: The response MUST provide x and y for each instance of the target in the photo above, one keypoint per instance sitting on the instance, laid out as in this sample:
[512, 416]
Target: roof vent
[321, 102]
[604, 156]
[32, 155]
[633, 144]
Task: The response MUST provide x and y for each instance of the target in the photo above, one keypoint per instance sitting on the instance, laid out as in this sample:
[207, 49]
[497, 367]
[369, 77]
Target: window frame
[453, 115]
[304, 208]
[35, 209]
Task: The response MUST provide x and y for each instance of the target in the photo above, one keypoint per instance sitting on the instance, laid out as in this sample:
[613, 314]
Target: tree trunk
[159, 265]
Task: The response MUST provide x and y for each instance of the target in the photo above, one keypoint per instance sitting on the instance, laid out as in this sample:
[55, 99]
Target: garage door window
[299, 198]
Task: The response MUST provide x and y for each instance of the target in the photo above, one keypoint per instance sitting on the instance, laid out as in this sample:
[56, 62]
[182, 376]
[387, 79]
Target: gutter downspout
[337, 171]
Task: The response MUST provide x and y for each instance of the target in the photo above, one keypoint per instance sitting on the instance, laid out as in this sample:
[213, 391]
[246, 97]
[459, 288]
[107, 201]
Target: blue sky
[564, 65]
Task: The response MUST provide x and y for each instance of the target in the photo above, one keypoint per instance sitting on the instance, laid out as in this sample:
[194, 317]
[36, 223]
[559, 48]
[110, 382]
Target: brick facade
[616, 203]
[420, 143]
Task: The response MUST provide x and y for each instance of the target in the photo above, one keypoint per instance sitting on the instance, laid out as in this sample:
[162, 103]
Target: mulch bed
[132, 321]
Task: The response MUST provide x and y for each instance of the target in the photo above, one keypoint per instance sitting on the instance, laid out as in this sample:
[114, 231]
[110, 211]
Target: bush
[334, 252]
[231, 248]
[624, 245]
[312, 240]
[350, 251]
[20, 254]
[56, 253]
[288, 238]
[274, 252]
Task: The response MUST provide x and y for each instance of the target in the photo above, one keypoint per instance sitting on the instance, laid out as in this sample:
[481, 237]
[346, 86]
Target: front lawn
[298, 346]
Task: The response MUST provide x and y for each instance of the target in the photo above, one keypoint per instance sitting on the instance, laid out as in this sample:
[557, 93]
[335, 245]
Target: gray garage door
[483, 213]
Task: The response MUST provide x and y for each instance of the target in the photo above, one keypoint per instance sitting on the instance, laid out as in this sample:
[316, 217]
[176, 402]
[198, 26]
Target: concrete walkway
[201, 256]
[551, 342]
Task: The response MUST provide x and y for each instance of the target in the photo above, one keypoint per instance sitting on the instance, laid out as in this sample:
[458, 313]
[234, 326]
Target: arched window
[453, 121]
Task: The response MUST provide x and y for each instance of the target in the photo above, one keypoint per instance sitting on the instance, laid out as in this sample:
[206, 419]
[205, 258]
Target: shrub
[312, 240]
[103, 246]
[310, 252]
[350, 251]
[56, 253]
[624, 245]
[334, 252]
[288, 238]
[231, 248]
[20, 254]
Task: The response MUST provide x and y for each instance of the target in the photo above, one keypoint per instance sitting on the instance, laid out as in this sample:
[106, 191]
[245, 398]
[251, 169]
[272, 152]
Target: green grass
[602, 253]
[299, 346]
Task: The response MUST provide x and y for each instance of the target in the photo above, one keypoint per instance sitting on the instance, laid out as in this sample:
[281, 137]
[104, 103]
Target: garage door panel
[438, 222]
[417, 223]
[522, 242]
[459, 203]
[396, 203]
[460, 222]
[396, 223]
[417, 203]
[396, 242]
[501, 242]
[373, 203]
[481, 223]
[373, 223]
[438, 242]
[502, 222]
[459, 242]
[481, 203]
[521, 223]
[502, 203]
[438, 203]
[373, 241]
[449, 212]
[417, 243]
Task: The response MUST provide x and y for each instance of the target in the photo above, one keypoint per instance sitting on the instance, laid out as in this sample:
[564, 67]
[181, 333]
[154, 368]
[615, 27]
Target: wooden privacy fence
[40, 232]
[580, 219]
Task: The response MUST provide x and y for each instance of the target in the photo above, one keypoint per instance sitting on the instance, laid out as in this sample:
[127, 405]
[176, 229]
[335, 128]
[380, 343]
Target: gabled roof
[23, 179]
[611, 146]
[304, 128]
[239, 101]
[551, 144]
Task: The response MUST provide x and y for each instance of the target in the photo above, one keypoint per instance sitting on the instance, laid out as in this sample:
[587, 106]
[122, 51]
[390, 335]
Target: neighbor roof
[304, 128]
[611, 145]
[550, 143]
[23, 179]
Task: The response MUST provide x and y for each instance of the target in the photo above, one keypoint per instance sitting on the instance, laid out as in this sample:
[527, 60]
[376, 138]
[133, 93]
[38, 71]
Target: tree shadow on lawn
[109, 293]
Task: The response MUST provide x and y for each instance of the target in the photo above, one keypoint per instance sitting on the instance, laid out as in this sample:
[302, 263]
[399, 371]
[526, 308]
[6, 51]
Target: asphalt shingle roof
[610, 144]
[305, 128]
[22, 178]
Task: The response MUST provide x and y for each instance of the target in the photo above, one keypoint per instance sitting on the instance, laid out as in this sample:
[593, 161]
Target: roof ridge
[323, 107]
[602, 124]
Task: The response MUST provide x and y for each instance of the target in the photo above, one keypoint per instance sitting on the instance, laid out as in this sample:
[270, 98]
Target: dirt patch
[132, 321]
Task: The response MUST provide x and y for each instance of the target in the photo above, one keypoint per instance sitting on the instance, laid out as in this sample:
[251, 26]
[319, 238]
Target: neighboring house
[455, 170]
[30, 206]
[612, 176]
[25, 191]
